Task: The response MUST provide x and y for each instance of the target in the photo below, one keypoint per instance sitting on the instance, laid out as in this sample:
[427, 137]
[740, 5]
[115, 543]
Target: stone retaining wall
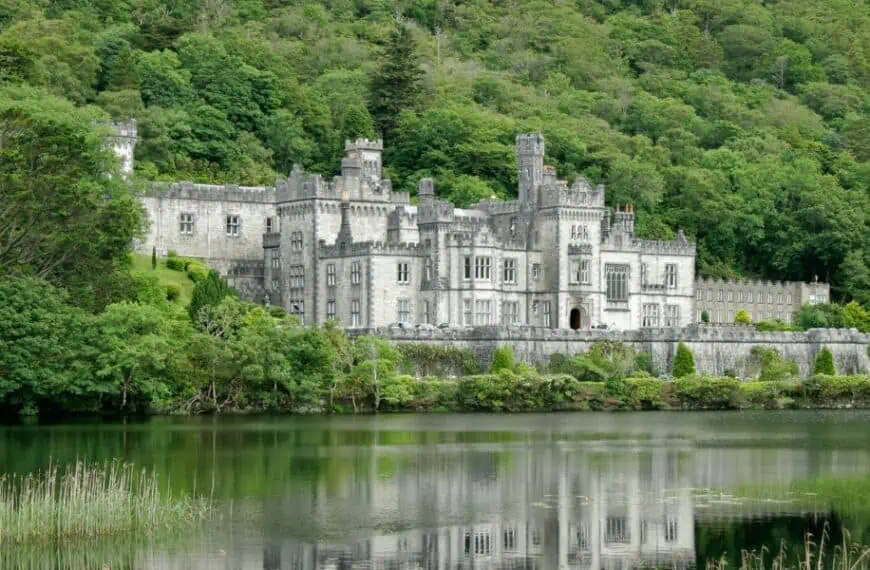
[716, 349]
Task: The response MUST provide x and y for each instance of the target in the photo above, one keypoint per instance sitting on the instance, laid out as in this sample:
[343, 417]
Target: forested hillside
[746, 123]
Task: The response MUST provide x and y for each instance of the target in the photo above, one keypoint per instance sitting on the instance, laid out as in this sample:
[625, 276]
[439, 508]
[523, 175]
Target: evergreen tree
[824, 363]
[684, 362]
[705, 317]
[396, 86]
[153, 258]
[208, 293]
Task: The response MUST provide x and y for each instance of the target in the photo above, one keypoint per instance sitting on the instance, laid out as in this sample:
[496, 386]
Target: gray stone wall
[716, 349]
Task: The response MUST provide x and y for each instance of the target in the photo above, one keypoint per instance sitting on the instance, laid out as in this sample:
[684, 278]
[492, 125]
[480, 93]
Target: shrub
[175, 263]
[173, 292]
[196, 272]
[578, 366]
[705, 317]
[770, 395]
[831, 390]
[153, 258]
[771, 366]
[424, 359]
[684, 361]
[742, 318]
[171, 253]
[502, 359]
[645, 393]
[707, 393]
[774, 325]
[643, 363]
[824, 362]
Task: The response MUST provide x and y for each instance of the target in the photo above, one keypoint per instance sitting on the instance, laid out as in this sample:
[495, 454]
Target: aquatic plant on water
[90, 500]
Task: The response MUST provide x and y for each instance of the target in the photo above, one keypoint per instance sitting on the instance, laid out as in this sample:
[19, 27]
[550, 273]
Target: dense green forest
[745, 122]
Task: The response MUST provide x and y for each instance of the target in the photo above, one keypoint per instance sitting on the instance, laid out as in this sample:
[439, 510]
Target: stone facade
[762, 300]
[352, 250]
[716, 349]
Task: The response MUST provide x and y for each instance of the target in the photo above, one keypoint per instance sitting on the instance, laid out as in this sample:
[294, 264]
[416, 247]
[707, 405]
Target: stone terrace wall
[716, 349]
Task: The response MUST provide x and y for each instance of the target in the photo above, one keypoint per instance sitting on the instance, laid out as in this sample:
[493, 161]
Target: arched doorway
[578, 319]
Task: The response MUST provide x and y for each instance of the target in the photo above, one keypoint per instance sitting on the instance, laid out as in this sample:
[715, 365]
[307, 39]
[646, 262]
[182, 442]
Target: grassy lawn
[142, 264]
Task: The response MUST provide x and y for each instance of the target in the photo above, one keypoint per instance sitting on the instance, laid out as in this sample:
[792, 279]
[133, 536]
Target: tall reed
[844, 556]
[89, 500]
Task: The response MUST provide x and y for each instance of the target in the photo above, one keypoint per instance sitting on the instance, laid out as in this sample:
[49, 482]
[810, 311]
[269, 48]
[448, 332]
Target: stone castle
[352, 250]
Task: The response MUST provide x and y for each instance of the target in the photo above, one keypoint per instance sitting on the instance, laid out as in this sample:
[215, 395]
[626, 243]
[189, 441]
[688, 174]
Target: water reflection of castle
[546, 509]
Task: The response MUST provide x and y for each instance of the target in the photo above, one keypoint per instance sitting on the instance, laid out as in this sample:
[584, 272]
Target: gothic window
[355, 273]
[483, 312]
[467, 273]
[467, 312]
[427, 268]
[730, 295]
[770, 298]
[275, 256]
[699, 295]
[296, 241]
[404, 309]
[536, 270]
[510, 312]
[709, 294]
[510, 539]
[548, 315]
[730, 316]
[427, 317]
[510, 270]
[297, 277]
[330, 275]
[617, 282]
[269, 225]
[720, 295]
[671, 276]
[650, 315]
[330, 310]
[672, 315]
[482, 268]
[580, 232]
[644, 273]
[402, 274]
[354, 313]
[185, 223]
[513, 226]
[580, 271]
[583, 537]
[232, 225]
[788, 299]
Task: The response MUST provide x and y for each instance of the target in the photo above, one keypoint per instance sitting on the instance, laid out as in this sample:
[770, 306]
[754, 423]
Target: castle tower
[124, 144]
[368, 152]
[530, 166]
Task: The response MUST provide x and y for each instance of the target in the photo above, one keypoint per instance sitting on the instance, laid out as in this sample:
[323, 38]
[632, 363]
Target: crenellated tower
[124, 144]
[369, 153]
[530, 166]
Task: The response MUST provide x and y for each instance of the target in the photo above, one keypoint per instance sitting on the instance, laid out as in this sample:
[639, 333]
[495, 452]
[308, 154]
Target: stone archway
[578, 318]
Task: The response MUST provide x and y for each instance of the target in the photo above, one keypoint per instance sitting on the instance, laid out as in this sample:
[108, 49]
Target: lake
[543, 491]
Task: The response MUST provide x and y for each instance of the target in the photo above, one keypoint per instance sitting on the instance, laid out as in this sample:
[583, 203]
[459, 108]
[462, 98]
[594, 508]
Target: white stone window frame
[580, 271]
[330, 310]
[275, 258]
[403, 310]
[330, 275]
[269, 224]
[355, 273]
[467, 312]
[509, 271]
[672, 316]
[355, 315]
[233, 225]
[403, 273]
[467, 267]
[536, 271]
[186, 223]
[650, 315]
[483, 312]
[510, 312]
[617, 282]
[483, 268]
[427, 268]
[548, 313]
[671, 275]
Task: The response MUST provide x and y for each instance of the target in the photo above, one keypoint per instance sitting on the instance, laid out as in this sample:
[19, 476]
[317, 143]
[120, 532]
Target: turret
[124, 144]
[530, 166]
[368, 152]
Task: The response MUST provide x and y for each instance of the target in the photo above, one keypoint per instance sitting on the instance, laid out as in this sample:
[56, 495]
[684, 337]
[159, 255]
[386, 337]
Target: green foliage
[173, 292]
[208, 293]
[702, 392]
[396, 85]
[824, 363]
[705, 317]
[775, 325]
[422, 359]
[684, 362]
[645, 393]
[196, 272]
[742, 318]
[153, 258]
[502, 359]
[175, 263]
[770, 365]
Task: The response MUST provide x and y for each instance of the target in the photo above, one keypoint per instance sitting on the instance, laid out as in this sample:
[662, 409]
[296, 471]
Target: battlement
[652, 247]
[214, 192]
[364, 144]
[530, 143]
[499, 208]
[707, 282]
[363, 248]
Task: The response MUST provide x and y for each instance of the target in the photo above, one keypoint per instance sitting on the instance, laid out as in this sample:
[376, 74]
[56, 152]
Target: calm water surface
[586, 490]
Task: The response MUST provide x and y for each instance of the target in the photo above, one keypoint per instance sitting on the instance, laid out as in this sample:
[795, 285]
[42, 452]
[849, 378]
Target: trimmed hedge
[509, 391]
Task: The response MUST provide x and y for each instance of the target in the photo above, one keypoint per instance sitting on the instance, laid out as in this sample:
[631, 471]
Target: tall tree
[396, 86]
